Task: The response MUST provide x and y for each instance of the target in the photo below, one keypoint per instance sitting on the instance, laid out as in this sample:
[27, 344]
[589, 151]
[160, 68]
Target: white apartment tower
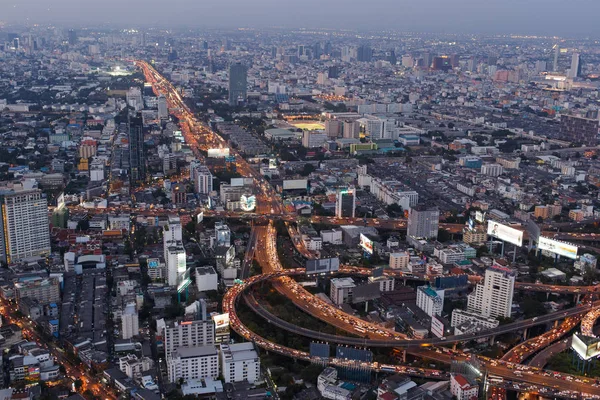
[130, 323]
[188, 334]
[24, 225]
[493, 298]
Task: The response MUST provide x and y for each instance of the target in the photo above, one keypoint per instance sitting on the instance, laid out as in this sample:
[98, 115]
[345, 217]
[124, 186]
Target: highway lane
[541, 359]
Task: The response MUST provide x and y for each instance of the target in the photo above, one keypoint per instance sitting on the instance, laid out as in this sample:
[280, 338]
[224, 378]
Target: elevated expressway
[270, 204]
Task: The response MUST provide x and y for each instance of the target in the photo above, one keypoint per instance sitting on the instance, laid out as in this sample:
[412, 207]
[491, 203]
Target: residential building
[24, 225]
[43, 290]
[386, 283]
[463, 388]
[399, 260]
[341, 290]
[239, 362]
[493, 298]
[423, 222]
[201, 177]
[206, 279]
[578, 130]
[193, 363]
[130, 323]
[180, 334]
[430, 300]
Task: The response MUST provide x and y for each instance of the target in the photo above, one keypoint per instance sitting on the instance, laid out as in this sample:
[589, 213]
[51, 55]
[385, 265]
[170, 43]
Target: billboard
[480, 216]
[561, 248]
[248, 202]
[295, 184]
[585, 347]
[221, 320]
[366, 244]
[471, 224]
[153, 263]
[366, 292]
[319, 350]
[323, 265]
[437, 326]
[218, 153]
[504, 232]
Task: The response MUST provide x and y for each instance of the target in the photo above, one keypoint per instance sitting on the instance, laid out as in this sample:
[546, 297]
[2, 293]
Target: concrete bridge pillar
[556, 324]
[577, 298]
[492, 340]
[525, 332]
[404, 356]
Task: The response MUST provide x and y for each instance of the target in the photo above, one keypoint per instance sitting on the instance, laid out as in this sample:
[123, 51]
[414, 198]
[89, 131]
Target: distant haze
[542, 17]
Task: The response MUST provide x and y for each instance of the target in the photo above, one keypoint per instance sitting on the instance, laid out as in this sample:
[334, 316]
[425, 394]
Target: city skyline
[536, 17]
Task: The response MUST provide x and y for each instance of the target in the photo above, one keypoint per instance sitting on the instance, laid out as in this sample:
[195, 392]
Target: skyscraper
[238, 82]
[575, 69]
[423, 222]
[163, 110]
[72, 37]
[24, 225]
[137, 157]
[317, 51]
[345, 203]
[364, 53]
[555, 61]
[493, 298]
[201, 177]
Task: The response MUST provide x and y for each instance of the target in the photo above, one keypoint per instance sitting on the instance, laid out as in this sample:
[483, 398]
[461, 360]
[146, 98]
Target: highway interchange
[197, 135]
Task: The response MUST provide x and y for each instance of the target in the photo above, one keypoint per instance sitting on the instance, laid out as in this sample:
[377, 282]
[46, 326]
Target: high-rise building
[575, 69]
[222, 234]
[327, 49]
[72, 37]
[345, 203]
[494, 297]
[317, 51]
[364, 53]
[176, 262]
[423, 222]
[185, 334]
[442, 63]
[163, 110]
[578, 130]
[351, 129]
[130, 323]
[240, 362]
[134, 98]
[201, 177]
[238, 82]
[137, 155]
[391, 57]
[555, 60]
[430, 300]
[193, 363]
[333, 72]
[341, 290]
[24, 225]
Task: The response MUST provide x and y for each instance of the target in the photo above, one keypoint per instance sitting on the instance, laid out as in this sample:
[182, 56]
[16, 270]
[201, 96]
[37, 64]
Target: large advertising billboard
[480, 216]
[366, 292]
[504, 232]
[322, 266]
[295, 184]
[247, 202]
[218, 153]
[221, 320]
[585, 347]
[366, 244]
[437, 327]
[556, 247]
[153, 263]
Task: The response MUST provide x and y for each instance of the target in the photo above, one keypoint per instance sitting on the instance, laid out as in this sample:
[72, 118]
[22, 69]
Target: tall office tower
[493, 298]
[238, 82]
[427, 59]
[327, 48]
[143, 39]
[223, 234]
[540, 66]
[391, 57]
[72, 37]
[454, 60]
[472, 64]
[163, 109]
[555, 62]
[442, 63]
[172, 231]
[134, 98]
[578, 130]
[364, 53]
[345, 203]
[16, 43]
[188, 334]
[172, 56]
[24, 225]
[137, 156]
[226, 44]
[492, 60]
[317, 51]
[301, 51]
[204, 45]
[175, 260]
[201, 177]
[575, 69]
[333, 72]
[423, 222]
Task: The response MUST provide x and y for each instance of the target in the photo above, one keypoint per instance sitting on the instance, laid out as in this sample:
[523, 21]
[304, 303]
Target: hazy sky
[548, 17]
